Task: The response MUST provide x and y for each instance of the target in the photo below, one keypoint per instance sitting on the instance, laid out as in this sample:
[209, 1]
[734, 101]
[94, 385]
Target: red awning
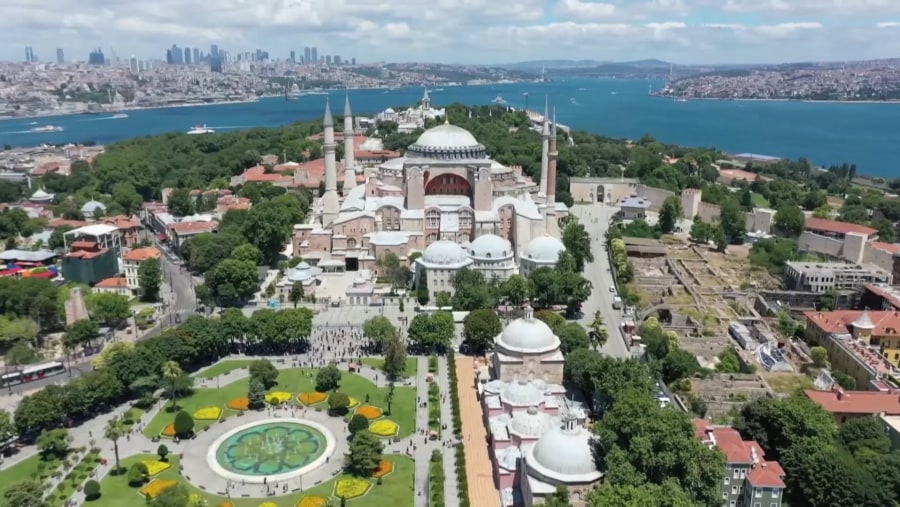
[161, 237]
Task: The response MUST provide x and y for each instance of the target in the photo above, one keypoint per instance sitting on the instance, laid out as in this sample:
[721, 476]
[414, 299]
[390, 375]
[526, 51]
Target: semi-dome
[530, 423]
[445, 253]
[564, 454]
[490, 246]
[522, 393]
[544, 249]
[447, 142]
[93, 206]
[528, 335]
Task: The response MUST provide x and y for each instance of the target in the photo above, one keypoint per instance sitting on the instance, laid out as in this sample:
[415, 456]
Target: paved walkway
[479, 470]
[451, 481]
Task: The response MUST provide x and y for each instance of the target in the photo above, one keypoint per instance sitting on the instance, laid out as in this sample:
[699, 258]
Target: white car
[612, 288]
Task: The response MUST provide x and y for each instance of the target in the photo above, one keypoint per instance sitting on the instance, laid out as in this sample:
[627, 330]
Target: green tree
[264, 371]
[778, 423]
[379, 329]
[572, 336]
[669, 214]
[296, 294]
[256, 394]
[559, 498]
[480, 327]
[433, 332]
[472, 291]
[54, 443]
[171, 371]
[357, 423]
[819, 357]
[91, 490]
[578, 243]
[7, 428]
[184, 423]
[27, 493]
[732, 223]
[115, 429]
[163, 452]
[338, 403]
[389, 396]
[598, 334]
[700, 231]
[112, 309]
[180, 202]
[232, 281]
[82, 332]
[790, 220]
[137, 474]
[553, 319]
[150, 279]
[328, 378]
[669, 494]
[396, 272]
[678, 364]
[365, 454]
[247, 253]
[864, 436]
[394, 358]
[516, 290]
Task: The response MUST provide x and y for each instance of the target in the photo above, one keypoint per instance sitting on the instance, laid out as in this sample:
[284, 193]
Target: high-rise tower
[349, 146]
[330, 205]
[545, 148]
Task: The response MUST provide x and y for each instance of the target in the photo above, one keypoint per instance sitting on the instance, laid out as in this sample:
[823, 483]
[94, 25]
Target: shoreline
[802, 101]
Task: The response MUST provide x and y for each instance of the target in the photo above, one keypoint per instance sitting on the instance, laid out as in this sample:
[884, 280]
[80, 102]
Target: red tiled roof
[893, 248]
[86, 254]
[729, 441]
[887, 322]
[377, 154]
[258, 173]
[83, 245]
[142, 254]
[836, 227]
[121, 221]
[856, 402]
[116, 282]
[59, 222]
[188, 227]
[767, 474]
[739, 174]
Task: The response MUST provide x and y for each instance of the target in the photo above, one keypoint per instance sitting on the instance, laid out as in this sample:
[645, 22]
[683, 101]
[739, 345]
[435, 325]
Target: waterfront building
[538, 435]
[748, 480]
[445, 192]
[821, 277]
[863, 344]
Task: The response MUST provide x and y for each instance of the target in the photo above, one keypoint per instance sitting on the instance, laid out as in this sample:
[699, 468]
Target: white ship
[119, 115]
[47, 128]
[201, 129]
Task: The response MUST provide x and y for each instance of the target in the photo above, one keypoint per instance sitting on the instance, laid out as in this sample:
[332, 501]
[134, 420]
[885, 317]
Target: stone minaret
[545, 148]
[330, 205]
[551, 225]
[349, 158]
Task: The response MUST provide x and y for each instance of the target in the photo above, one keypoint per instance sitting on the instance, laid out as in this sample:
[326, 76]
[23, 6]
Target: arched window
[433, 219]
[351, 243]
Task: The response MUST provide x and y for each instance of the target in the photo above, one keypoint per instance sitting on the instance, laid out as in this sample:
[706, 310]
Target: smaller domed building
[542, 251]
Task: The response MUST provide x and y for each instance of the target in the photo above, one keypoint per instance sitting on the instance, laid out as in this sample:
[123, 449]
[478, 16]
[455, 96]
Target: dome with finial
[864, 321]
[564, 454]
[447, 142]
[527, 335]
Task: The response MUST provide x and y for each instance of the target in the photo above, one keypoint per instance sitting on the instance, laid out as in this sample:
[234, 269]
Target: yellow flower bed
[156, 487]
[351, 487]
[169, 430]
[278, 397]
[208, 414]
[312, 501]
[370, 412]
[384, 467]
[353, 402]
[268, 504]
[242, 403]
[384, 428]
[196, 500]
[155, 466]
[311, 398]
[226, 504]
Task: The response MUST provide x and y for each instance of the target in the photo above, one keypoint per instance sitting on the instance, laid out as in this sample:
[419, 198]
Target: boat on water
[499, 100]
[47, 128]
[118, 115]
[438, 90]
[201, 129]
[681, 99]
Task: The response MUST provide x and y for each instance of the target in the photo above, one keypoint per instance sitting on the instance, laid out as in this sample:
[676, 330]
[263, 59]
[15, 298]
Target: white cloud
[888, 24]
[775, 31]
[587, 10]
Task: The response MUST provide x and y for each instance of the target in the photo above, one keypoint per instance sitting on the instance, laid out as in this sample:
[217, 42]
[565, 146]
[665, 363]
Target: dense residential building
[863, 344]
[749, 480]
[846, 405]
[824, 276]
[133, 259]
[835, 240]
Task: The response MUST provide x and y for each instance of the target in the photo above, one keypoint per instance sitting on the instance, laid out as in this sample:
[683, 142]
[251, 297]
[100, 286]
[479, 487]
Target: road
[595, 218]
[178, 299]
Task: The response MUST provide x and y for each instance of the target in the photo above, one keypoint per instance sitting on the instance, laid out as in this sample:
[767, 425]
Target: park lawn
[412, 365]
[24, 471]
[224, 367]
[396, 489]
[81, 473]
[295, 381]
[759, 200]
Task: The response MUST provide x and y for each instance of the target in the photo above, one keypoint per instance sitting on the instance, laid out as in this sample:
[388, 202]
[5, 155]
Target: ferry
[499, 100]
[47, 128]
[201, 129]
[118, 115]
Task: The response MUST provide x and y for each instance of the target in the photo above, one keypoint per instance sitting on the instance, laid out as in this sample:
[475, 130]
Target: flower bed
[312, 397]
[226, 504]
[351, 487]
[370, 412]
[155, 466]
[196, 499]
[353, 402]
[208, 414]
[156, 487]
[268, 504]
[169, 430]
[278, 397]
[384, 428]
[312, 501]
[242, 403]
[384, 467]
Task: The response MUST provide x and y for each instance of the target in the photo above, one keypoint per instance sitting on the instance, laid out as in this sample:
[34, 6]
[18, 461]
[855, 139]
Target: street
[595, 218]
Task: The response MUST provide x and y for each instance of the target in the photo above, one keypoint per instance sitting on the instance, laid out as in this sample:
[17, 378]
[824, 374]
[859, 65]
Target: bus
[32, 373]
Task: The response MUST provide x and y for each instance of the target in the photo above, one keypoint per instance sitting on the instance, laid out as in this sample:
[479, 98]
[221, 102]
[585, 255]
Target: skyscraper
[177, 55]
[96, 57]
[336, 59]
[60, 58]
[196, 58]
[213, 51]
[187, 56]
[307, 55]
[353, 61]
[293, 56]
[29, 54]
[327, 59]
[313, 55]
[133, 64]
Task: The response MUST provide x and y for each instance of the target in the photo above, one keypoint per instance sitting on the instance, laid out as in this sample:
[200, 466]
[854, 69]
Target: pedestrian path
[479, 469]
[451, 481]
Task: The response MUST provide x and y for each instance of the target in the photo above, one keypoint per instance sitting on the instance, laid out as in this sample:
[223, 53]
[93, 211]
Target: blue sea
[826, 133]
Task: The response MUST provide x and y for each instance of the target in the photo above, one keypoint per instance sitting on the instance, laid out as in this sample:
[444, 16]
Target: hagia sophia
[445, 198]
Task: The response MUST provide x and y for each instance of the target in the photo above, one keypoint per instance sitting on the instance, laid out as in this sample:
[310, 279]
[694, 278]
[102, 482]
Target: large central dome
[447, 142]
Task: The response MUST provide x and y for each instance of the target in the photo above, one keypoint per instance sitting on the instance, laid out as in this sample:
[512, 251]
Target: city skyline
[477, 31]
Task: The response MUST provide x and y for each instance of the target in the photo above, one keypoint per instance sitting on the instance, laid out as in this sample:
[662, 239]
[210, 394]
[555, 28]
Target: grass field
[223, 368]
[296, 381]
[759, 200]
[396, 489]
[26, 470]
[412, 365]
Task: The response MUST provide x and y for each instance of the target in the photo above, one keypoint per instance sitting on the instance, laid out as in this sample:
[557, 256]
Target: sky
[463, 31]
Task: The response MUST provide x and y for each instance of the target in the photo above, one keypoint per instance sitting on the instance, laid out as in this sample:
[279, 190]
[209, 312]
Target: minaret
[551, 225]
[330, 205]
[545, 148]
[426, 101]
[349, 146]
